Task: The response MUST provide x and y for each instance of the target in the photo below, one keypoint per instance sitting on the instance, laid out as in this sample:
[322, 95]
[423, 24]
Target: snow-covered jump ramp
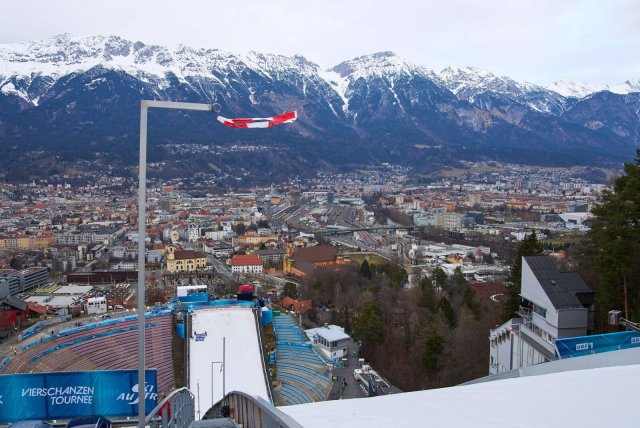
[243, 368]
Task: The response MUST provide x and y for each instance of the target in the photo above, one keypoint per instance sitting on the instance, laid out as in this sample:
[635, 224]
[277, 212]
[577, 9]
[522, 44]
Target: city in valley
[471, 220]
[282, 216]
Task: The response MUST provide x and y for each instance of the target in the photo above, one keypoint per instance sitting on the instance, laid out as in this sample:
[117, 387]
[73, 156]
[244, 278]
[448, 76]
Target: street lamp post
[223, 369]
[145, 105]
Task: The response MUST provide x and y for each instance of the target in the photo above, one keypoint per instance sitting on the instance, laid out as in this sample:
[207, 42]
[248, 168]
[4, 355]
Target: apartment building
[16, 282]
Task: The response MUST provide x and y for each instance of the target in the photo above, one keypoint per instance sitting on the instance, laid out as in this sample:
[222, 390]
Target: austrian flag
[259, 122]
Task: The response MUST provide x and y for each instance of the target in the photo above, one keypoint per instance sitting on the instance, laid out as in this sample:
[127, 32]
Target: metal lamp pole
[222, 368]
[145, 105]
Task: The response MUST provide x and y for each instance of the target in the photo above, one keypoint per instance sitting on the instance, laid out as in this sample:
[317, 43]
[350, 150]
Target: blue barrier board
[594, 344]
[64, 395]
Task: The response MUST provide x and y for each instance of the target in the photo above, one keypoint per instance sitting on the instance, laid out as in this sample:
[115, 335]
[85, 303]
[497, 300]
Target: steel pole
[142, 199]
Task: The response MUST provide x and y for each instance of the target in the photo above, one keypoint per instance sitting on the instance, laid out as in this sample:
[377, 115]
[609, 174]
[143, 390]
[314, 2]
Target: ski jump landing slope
[243, 366]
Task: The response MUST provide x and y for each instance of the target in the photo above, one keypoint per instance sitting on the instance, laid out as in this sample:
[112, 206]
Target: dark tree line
[431, 335]
[609, 257]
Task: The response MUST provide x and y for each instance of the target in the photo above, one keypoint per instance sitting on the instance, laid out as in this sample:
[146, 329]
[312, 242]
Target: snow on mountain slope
[385, 68]
[580, 90]
[472, 79]
[381, 64]
[47, 60]
[339, 84]
[64, 55]
[469, 83]
[57, 91]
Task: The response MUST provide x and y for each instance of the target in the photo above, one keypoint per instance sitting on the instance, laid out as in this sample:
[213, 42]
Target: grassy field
[374, 259]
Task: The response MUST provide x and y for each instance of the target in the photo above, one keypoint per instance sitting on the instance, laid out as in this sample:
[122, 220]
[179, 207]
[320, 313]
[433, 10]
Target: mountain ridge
[68, 92]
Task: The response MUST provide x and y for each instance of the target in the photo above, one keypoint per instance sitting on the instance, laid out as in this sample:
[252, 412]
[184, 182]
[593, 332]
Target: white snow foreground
[243, 368]
[586, 398]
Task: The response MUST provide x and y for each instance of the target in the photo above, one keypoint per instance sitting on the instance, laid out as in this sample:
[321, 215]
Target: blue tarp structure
[180, 330]
[267, 316]
[585, 345]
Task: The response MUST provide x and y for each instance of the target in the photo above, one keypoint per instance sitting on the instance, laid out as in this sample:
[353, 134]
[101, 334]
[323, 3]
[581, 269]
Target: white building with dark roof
[331, 340]
[554, 305]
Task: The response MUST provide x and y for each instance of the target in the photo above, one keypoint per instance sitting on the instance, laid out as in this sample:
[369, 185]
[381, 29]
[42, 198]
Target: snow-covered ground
[585, 398]
[243, 363]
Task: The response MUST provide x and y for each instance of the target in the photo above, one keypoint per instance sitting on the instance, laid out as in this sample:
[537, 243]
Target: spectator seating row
[105, 347]
[303, 376]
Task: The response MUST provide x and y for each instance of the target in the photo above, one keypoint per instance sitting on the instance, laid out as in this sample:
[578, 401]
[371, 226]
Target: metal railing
[534, 333]
[250, 411]
[524, 312]
[177, 410]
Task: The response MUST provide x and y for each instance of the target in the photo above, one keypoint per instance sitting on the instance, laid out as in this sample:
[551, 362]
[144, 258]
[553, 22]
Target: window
[540, 311]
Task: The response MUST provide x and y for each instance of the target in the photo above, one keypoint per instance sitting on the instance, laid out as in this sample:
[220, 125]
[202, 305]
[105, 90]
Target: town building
[305, 260]
[246, 264]
[185, 260]
[16, 282]
[272, 255]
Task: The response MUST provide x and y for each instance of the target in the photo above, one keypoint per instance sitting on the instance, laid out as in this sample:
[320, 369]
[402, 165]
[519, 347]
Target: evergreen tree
[14, 263]
[458, 282]
[614, 250]
[365, 270]
[469, 301]
[434, 346]
[529, 246]
[290, 290]
[427, 297]
[448, 312]
[370, 327]
[439, 277]
[240, 229]
[398, 277]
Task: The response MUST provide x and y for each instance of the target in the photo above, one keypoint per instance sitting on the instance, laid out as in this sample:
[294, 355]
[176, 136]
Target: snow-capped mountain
[76, 94]
[581, 90]
[480, 87]
[64, 55]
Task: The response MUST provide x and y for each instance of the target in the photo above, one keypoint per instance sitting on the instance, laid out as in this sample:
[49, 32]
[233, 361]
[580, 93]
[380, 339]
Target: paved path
[345, 385]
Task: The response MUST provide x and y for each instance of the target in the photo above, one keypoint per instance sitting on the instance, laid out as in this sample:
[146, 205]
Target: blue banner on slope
[586, 345]
[64, 395]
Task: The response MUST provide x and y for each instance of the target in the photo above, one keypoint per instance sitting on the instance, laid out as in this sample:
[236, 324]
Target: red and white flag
[259, 122]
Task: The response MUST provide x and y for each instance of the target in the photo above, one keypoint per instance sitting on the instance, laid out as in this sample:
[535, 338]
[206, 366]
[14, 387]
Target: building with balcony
[554, 305]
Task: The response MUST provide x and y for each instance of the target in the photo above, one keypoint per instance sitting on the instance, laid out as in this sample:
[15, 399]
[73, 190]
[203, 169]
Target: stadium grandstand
[301, 372]
[229, 384]
[105, 345]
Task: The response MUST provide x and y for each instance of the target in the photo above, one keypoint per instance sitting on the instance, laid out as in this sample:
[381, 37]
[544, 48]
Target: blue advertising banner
[64, 395]
[585, 345]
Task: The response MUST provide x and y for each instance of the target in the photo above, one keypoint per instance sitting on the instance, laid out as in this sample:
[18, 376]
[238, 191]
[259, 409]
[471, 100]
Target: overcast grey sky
[540, 41]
